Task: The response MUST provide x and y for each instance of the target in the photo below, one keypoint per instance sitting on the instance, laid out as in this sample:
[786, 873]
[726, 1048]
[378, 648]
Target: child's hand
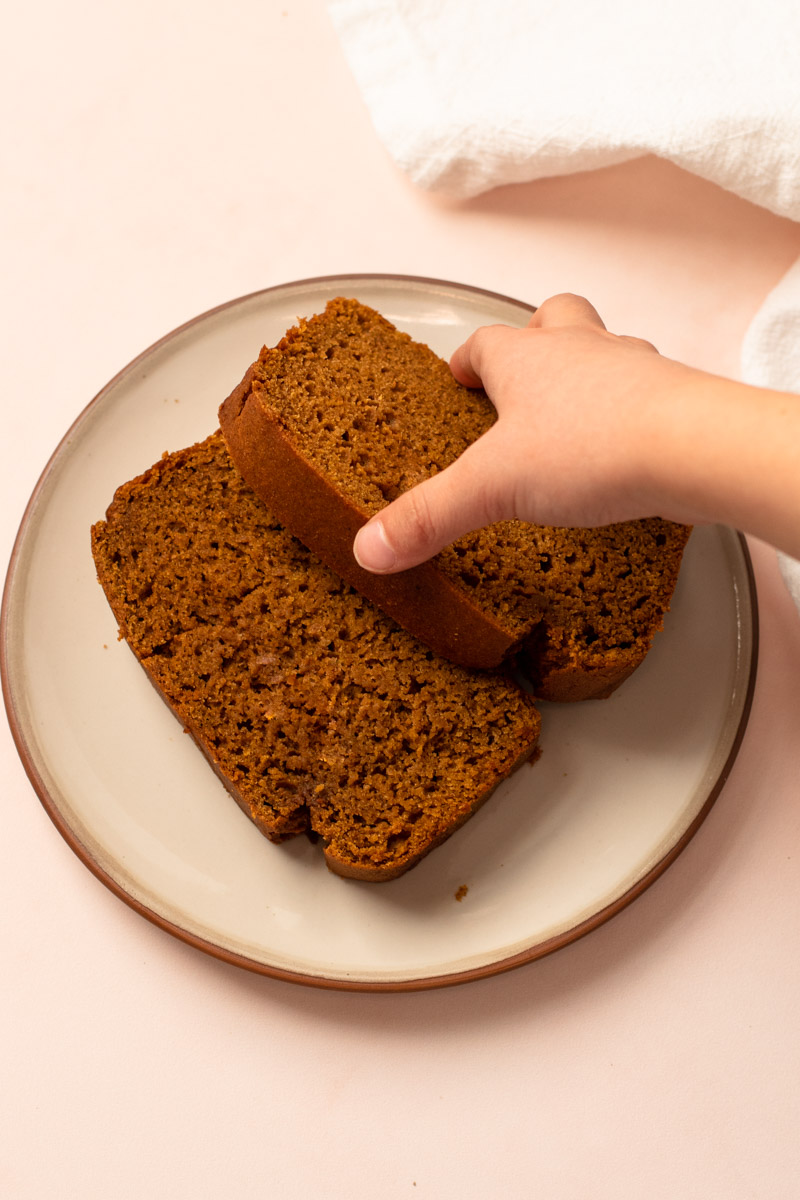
[576, 434]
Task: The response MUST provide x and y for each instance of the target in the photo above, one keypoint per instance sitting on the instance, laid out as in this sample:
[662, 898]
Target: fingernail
[372, 549]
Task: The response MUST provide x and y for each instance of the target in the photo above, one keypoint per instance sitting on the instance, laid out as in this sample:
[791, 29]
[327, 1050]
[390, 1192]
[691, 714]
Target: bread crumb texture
[375, 413]
[319, 713]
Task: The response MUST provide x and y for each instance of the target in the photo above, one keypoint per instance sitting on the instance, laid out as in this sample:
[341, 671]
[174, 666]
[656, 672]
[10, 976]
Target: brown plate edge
[451, 979]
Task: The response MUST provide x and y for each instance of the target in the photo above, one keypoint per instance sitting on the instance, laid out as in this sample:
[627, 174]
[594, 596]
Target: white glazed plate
[621, 786]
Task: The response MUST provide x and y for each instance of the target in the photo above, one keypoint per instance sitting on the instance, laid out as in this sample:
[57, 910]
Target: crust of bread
[276, 830]
[438, 610]
[572, 682]
[371, 874]
[422, 599]
[415, 818]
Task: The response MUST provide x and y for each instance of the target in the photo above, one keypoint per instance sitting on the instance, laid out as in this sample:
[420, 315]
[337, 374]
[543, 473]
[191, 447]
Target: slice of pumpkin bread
[347, 412]
[317, 711]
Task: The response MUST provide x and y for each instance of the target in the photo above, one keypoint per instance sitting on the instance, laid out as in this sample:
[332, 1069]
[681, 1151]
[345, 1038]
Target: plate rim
[426, 982]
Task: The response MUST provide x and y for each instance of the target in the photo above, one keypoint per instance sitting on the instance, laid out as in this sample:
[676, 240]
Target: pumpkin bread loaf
[347, 412]
[317, 711]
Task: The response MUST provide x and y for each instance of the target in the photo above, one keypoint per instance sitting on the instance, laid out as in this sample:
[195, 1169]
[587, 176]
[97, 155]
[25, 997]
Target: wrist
[726, 452]
[661, 442]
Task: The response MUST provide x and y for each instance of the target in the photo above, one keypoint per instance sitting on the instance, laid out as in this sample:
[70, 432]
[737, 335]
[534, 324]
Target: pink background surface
[166, 158]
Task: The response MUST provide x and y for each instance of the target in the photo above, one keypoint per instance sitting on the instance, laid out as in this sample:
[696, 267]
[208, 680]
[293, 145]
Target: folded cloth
[771, 358]
[468, 96]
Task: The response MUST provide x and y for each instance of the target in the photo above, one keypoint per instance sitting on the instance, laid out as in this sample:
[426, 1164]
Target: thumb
[433, 514]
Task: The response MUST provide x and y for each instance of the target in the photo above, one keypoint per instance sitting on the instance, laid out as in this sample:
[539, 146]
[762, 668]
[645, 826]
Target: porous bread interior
[320, 711]
[376, 413]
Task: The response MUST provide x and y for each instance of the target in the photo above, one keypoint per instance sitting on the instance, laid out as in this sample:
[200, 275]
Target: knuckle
[486, 338]
[475, 347]
[565, 300]
[637, 341]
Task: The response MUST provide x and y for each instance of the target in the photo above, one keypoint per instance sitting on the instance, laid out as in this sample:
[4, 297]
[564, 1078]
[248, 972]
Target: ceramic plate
[620, 788]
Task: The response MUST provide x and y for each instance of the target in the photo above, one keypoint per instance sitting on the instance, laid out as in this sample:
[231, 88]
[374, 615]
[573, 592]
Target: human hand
[572, 446]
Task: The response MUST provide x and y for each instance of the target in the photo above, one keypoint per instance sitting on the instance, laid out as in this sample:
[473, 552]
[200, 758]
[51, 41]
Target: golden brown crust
[422, 600]
[371, 874]
[275, 827]
[317, 712]
[573, 682]
[346, 412]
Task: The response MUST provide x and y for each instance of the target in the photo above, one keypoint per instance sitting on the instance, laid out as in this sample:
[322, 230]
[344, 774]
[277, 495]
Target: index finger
[466, 362]
[566, 309]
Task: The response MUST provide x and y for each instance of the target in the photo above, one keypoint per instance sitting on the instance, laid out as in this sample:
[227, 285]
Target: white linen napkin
[471, 94]
[771, 358]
